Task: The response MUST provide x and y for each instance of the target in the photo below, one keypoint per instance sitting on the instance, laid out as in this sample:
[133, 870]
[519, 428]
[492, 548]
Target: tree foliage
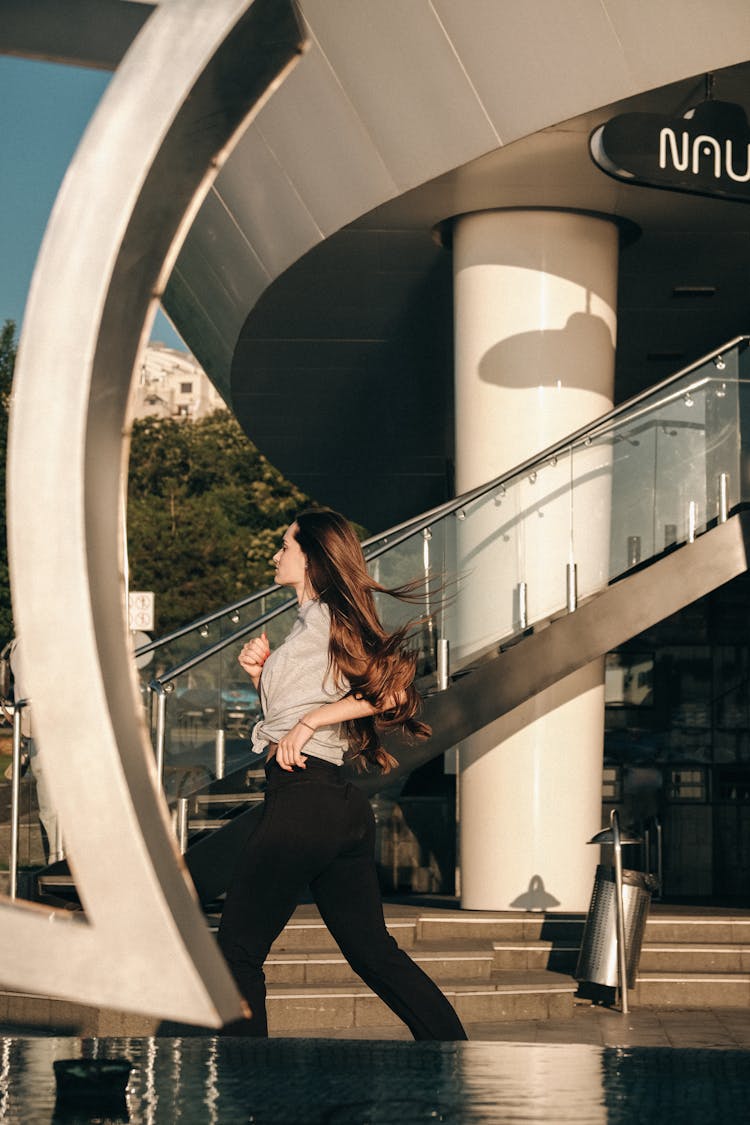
[206, 512]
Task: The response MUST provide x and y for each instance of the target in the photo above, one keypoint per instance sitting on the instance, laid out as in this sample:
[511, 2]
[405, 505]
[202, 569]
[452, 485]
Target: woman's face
[290, 562]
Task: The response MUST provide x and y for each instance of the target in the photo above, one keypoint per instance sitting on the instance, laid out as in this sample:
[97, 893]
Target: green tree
[7, 363]
[206, 512]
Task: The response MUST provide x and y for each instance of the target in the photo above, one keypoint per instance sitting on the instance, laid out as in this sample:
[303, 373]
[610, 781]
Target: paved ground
[727, 1028]
[724, 1028]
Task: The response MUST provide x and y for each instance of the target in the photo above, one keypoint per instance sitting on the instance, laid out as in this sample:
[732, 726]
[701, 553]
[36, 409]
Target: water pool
[209, 1081]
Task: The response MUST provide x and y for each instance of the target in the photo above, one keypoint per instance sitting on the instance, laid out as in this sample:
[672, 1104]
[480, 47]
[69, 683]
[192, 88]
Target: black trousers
[319, 831]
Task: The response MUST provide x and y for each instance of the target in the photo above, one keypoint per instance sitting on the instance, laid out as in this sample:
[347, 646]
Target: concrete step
[517, 996]
[309, 934]
[310, 985]
[559, 957]
[715, 928]
[323, 968]
[691, 990]
[684, 957]
[469, 925]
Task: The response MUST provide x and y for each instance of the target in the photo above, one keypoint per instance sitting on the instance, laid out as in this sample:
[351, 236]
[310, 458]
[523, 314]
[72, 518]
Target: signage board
[706, 152]
[141, 610]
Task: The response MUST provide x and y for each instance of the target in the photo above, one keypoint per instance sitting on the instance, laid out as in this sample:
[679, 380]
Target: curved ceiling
[311, 287]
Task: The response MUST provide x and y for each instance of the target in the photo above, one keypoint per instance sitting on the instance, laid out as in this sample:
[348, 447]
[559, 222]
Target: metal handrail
[234, 607]
[405, 530]
[402, 531]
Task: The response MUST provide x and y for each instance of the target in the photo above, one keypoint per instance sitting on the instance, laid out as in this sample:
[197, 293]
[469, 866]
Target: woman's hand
[253, 656]
[289, 748]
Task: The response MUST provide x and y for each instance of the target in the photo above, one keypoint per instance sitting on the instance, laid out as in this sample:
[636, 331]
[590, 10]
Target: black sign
[706, 152]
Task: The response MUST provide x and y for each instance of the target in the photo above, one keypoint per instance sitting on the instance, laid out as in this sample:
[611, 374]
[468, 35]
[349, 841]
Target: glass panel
[172, 652]
[419, 564]
[674, 467]
[489, 552]
[214, 696]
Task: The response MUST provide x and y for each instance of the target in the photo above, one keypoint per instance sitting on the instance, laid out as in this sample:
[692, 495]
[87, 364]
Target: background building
[172, 384]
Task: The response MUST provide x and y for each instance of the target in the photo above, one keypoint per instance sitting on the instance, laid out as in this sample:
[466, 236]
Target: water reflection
[207, 1081]
[534, 1083]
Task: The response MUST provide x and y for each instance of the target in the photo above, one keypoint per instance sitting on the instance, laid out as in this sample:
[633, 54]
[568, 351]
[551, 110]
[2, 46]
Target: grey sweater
[296, 678]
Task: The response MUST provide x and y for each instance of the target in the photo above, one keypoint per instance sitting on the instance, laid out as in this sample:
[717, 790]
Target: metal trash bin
[598, 957]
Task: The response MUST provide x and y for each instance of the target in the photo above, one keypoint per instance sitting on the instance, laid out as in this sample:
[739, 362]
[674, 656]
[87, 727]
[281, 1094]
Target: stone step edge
[536, 920]
[678, 976]
[532, 920]
[448, 988]
[545, 945]
[321, 957]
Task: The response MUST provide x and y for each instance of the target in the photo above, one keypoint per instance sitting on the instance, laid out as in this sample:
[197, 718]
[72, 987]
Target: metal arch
[192, 79]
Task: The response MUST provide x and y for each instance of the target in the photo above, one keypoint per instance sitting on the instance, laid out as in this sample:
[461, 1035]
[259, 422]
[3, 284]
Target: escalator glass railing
[645, 479]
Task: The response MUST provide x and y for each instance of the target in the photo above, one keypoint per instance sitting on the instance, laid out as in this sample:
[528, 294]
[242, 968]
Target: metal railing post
[571, 586]
[443, 663]
[160, 691]
[723, 497]
[622, 959]
[15, 799]
[523, 606]
[220, 754]
[427, 571]
[182, 823]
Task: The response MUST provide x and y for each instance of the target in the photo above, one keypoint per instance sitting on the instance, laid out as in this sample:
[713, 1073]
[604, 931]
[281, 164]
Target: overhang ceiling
[344, 367]
[311, 287]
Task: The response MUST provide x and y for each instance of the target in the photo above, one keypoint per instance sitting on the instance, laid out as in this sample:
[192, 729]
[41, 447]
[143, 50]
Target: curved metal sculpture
[191, 80]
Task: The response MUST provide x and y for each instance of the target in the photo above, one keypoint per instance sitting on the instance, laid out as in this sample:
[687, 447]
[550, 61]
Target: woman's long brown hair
[373, 661]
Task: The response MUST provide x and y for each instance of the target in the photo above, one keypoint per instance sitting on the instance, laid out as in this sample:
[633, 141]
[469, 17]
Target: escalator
[526, 580]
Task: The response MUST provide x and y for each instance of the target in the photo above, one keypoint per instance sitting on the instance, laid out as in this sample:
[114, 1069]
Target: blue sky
[44, 109]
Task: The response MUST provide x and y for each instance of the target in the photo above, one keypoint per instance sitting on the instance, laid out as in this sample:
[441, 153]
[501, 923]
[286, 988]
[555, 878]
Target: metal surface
[723, 497]
[523, 606]
[622, 949]
[15, 797]
[166, 123]
[571, 587]
[160, 736]
[443, 663]
[599, 958]
[183, 823]
[220, 754]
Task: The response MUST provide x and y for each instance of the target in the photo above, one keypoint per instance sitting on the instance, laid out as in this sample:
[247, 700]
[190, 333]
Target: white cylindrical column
[535, 323]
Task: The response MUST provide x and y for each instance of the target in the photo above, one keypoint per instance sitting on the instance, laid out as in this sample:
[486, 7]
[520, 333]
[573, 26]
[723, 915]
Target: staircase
[312, 988]
[695, 959]
[503, 966]
[493, 966]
